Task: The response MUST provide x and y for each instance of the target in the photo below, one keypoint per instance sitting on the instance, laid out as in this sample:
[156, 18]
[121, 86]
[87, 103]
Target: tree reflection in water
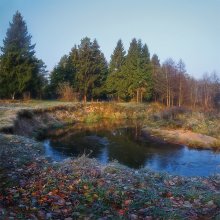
[123, 141]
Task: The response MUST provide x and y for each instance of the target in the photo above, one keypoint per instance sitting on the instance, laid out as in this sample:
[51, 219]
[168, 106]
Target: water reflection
[124, 141]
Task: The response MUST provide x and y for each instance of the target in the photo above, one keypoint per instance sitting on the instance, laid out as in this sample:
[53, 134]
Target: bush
[65, 92]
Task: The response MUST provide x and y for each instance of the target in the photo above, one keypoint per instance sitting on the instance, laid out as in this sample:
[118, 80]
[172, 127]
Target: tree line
[84, 74]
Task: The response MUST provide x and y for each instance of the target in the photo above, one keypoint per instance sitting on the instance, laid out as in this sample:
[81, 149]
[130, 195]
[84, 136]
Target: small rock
[143, 211]
[41, 214]
[133, 217]
[48, 215]
[148, 218]
[60, 202]
[187, 204]
[210, 203]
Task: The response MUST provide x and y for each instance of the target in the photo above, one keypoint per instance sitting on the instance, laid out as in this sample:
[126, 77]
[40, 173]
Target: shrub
[65, 92]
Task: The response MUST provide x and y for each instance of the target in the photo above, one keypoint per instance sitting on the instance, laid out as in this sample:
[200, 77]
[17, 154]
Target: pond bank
[184, 137]
[82, 188]
[31, 122]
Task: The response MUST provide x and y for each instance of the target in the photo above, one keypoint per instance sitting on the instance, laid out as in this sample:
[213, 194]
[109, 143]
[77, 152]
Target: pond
[124, 142]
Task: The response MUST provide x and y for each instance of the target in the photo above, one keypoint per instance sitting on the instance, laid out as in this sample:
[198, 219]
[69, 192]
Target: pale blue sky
[187, 29]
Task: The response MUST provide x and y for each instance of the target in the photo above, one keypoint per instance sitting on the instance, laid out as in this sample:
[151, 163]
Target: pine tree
[156, 77]
[128, 73]
[136, 72]
[100, 71]
[116, 63]
[91, 69]
[18, 62]
[37, 84]
[64, 72]
[117, 58]
[144, 80]
[74, 61]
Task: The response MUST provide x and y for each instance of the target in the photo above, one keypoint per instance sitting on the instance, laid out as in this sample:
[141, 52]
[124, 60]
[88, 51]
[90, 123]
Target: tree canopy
[130, 75]
[84, 73]
[20, 70]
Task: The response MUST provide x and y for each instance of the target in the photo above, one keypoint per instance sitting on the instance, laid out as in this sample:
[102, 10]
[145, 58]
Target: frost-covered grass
[81, 188]
[207, 123]
[9, 109]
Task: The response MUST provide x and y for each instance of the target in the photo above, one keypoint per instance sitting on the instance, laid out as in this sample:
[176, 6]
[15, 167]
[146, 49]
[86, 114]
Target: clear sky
[187, 29]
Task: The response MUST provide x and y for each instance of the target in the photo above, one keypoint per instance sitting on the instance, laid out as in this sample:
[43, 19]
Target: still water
[126, 143]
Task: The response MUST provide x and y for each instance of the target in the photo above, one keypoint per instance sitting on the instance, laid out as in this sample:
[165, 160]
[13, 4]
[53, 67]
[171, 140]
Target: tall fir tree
[125, 77]
[18, 62]
[116, 63]
[157, 78]
[74, 60]
[91, 69]
[64, 72]
[101, 71]
[144, 80]
[117, 58]
[135, 76]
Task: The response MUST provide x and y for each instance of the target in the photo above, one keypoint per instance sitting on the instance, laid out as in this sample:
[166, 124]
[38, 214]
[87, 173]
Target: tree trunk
[137, 96]
[180, 93]
[13, 96]
[85, 98]
[172, 100]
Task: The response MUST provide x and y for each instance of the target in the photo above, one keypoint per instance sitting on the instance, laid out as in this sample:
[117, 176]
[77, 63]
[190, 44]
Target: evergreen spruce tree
[101, 71]
[18, 62]
[74, 61]
[117, 58]
[157, 78]
[85, 74]
[135, 76]
[116, 63]
[91, 70]
[127, 75]
[145, 81]
[64, 72]
[37, 84]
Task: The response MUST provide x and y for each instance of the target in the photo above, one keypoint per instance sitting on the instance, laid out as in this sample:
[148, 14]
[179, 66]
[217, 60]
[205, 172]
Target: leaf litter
[35, 187]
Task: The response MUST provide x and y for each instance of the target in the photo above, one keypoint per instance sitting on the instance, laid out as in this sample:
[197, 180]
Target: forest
[85, 75]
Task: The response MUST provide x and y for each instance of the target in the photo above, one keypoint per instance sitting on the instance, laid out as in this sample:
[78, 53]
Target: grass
[199, 122]
[93, 117]
[216, 144]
